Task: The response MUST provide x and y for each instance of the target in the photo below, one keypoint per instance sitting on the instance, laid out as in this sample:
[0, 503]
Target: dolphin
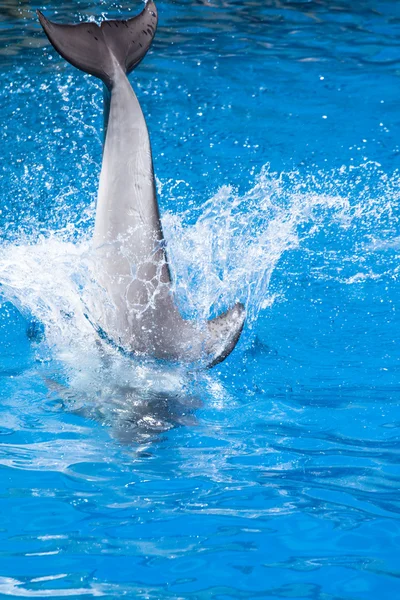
[140, 315]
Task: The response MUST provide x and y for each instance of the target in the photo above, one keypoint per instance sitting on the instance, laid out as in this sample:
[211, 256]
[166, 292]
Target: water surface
[275, 131]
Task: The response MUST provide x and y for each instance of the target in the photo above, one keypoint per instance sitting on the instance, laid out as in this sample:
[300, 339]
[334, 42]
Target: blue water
[275, 131]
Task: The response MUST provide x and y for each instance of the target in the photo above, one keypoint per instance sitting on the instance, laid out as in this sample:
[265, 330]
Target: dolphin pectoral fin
[94, 49]
[224, 332]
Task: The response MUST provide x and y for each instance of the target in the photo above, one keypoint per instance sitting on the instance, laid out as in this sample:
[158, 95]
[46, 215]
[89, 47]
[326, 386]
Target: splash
[232, 249]
[223, 252]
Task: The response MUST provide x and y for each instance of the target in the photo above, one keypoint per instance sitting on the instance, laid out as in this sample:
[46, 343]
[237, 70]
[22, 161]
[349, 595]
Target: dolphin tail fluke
[94, 49]
[224, 332]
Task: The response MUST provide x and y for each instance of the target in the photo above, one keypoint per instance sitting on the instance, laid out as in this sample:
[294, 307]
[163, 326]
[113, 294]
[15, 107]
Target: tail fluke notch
[91, 48]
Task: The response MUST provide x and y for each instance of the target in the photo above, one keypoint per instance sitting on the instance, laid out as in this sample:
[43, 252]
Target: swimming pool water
[274, 128]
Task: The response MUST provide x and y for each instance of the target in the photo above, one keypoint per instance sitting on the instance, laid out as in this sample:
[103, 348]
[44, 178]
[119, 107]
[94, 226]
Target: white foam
[227, 254]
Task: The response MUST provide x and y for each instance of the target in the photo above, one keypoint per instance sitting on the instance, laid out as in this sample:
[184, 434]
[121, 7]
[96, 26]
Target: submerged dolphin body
[140, 315]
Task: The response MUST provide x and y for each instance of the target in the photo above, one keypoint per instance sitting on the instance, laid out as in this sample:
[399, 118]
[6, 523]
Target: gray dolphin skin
[140, 315]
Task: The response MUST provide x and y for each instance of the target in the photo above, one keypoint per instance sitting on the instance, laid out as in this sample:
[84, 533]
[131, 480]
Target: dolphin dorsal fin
[91, 48]
[223, 333]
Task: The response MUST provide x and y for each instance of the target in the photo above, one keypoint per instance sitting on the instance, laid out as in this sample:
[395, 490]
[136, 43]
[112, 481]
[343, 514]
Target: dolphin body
[140, 315]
